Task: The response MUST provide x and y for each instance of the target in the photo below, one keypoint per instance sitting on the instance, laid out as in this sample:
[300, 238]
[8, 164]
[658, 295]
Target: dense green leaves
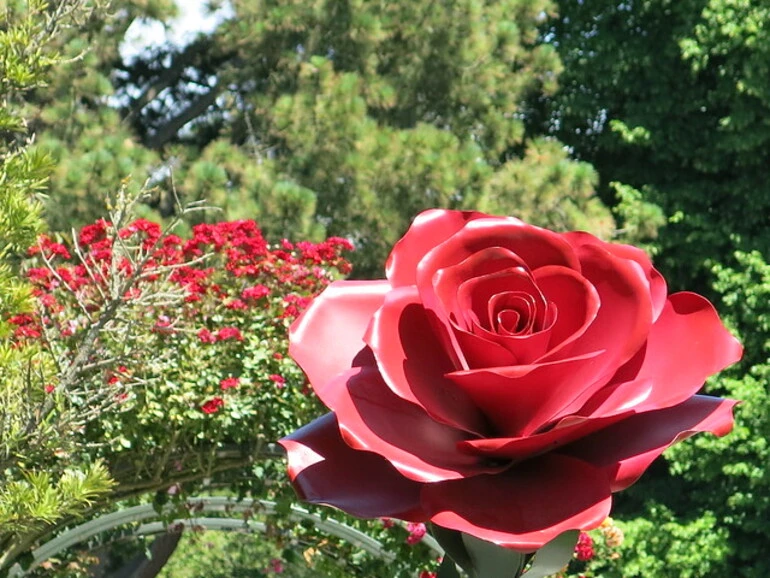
[664, 99]
[338, 118]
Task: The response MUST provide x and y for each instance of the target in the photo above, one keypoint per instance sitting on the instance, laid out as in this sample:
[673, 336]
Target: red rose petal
[428, 229]
[372, 418]
[475, 295]
[447, 281]
[686, 345]
[576, 301]
[626, 449]
[524, 507]
[339, 316]
[473, 299]
[621, 325]
[522, 399]
[413, 362]
[324, 470]
[656, 282]
[479, 352]
[520, 448]
[534, 246]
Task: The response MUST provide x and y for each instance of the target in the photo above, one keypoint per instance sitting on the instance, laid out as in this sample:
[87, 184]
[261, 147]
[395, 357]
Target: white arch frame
[144, 512]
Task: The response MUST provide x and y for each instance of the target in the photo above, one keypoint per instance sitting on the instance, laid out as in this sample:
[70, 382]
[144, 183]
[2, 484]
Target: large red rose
[503, 381]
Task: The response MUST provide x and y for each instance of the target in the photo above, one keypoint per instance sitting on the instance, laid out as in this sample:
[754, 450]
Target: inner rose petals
[657, 284]
[576, 301]
[510, 291]
[413, 362]
[487, 295]
[622, 322]
[372, 418]
[525, 506]
[442, 296]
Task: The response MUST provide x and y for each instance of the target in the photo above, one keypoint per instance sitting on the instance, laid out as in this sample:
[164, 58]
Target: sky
[193, 18]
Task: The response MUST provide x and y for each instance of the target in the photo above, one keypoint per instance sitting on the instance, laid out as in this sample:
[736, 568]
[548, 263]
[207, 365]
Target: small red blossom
[236, 305]
[427, 574]
[213, 405]
[276, 566]
[387, 523]
[49, 388]
[256, 292]
[163, 325]
[205, 336]
[47, 300]
[229, 382]
[278, 356]
[416, 532]
[151, 230]
[229, 333]
[93, 233]
[29, 331]
[584, 549]
[21, 319]
[279, 380]
[49, 248]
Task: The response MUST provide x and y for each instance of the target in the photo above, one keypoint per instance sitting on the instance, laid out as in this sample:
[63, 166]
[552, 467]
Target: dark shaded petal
[626, 449]
[325, 470]
[372, 418]
[517, 449]
[329, 334]
[524, 507]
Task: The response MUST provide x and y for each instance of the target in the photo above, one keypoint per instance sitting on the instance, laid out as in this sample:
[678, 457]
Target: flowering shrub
[183, 339]
[178, 347]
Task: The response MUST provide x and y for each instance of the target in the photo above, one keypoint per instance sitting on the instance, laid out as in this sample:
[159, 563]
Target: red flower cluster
[228, 271]
[229, 382]
[584, 549]
[416, 531]
[213, 405]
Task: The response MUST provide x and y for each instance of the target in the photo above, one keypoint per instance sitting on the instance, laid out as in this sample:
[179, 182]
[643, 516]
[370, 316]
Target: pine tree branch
[169, 130]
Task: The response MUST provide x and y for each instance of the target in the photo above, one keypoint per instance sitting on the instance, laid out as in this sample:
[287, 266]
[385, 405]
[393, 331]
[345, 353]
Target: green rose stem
[482, 559]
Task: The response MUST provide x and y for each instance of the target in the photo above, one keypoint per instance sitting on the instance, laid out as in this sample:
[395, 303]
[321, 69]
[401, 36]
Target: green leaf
[554, 556]
[452, 542]
[448, 569]
[492, 561]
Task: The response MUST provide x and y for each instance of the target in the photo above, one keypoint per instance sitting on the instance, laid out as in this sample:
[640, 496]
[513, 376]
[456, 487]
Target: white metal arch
[145, 512]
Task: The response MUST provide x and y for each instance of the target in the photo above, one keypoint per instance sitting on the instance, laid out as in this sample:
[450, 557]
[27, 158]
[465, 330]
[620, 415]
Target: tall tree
[670, 101]
[342, 117]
